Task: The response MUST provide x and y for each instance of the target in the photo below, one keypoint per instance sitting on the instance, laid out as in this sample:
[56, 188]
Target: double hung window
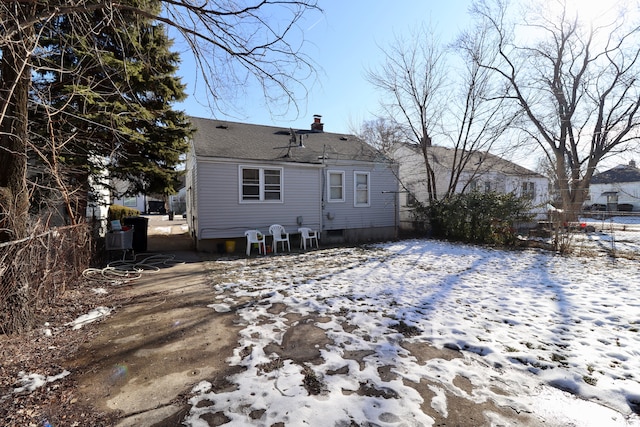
[361, 189]
[335, 189]
[260, 184]
[528, 190]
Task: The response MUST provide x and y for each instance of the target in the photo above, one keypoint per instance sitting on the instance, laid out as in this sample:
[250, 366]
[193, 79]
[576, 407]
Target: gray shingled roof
[231, 140]
[482, 160]
[621, 173]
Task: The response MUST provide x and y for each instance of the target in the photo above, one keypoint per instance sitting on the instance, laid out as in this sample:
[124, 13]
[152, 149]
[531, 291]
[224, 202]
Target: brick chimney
[317, 125]
[632, 163]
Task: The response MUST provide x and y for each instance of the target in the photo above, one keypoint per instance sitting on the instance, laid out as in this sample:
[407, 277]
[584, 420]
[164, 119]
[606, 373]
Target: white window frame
[329, 186]
[262, 185]
[357, 190]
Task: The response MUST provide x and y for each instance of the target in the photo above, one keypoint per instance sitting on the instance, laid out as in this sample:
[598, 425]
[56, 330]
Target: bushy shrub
[121, 212]
[485, 218]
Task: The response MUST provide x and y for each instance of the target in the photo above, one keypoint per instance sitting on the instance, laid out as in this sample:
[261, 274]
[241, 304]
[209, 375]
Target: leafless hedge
[36, 270]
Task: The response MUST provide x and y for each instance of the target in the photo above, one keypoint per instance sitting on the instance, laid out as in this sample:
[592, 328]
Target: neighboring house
[149, 204]
[178, 202]
[138, 202]
[242, 176]
[616, 189]
[142, 202]
[98, 206]
[485, 172]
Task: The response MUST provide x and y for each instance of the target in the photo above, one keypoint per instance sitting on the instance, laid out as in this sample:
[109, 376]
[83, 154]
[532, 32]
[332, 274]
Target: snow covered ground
[617, 234]
[555, 337]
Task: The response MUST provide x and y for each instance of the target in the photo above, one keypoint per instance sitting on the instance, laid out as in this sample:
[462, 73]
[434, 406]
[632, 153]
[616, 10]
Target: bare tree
[413, 78]
[430, 94]
[18, 41]
[232, 42]
[381, 133]
[578, 85]
[480, 114]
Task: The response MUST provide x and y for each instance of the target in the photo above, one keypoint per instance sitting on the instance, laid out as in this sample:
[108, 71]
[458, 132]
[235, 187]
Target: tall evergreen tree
[251, 40]
[114, 117]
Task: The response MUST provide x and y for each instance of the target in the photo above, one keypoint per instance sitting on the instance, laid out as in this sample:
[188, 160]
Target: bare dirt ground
[137, 366]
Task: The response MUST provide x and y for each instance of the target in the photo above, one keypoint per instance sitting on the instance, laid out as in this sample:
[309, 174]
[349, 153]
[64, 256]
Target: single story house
[617, 189]
[484, 172]
[144, 203]
[243, 176]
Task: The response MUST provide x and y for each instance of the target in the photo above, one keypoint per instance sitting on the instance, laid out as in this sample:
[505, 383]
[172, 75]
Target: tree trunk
[15, 79]
[14, 91]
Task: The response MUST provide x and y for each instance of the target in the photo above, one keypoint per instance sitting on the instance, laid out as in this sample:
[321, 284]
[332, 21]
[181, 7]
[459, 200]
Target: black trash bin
[140, 225]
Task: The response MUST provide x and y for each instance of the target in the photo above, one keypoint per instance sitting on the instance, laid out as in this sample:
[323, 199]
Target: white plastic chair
[254, 236]
[307, 234]
[279, 235]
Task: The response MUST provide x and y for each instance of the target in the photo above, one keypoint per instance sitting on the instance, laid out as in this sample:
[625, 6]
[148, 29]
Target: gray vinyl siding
[222, 215]
[382, 194]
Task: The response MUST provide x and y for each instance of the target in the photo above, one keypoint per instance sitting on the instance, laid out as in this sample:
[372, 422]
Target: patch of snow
[92, 316]
[162, 230]
[220, 308]
[30, 382]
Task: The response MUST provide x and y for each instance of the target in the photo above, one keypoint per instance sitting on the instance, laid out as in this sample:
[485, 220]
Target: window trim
[261, 184]
[355, 189]
[530, 191]
[411, 201]
[329, 187]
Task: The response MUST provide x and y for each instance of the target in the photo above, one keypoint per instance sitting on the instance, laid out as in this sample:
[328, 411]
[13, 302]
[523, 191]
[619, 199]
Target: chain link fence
[34, 271]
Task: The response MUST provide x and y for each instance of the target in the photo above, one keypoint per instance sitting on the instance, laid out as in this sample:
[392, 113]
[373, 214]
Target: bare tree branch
[234, 44]
[440, 94]
[577, 85]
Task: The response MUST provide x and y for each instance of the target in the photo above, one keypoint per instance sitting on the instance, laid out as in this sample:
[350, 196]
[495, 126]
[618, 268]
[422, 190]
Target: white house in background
[616, 189]
[98, 205]
[138, 202]
[243, 176]
[485, 172]
[178, 202]
[143, 203]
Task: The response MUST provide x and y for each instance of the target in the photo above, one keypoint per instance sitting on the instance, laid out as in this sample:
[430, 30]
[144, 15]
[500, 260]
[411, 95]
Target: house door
[612, 201]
